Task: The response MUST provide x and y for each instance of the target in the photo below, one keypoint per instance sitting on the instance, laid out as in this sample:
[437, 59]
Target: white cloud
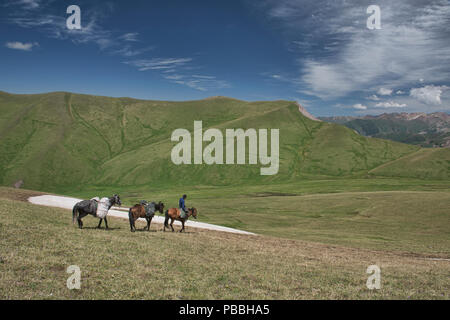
[384, 92]
[430, 95]
[54, 26]
[203, 77]
[24, 4]
[174, 77]
[127, 51]
[158, 63]
[202, 83]
[391, 104]
[373, 97]
[339, 56]
[31, 4]
[132, 36]
[174, 70]
[400, 92]
[359, 106]
[17, 45]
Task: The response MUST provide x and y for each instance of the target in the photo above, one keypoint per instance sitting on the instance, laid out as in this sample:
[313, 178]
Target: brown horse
[144, 210]
[174, 214]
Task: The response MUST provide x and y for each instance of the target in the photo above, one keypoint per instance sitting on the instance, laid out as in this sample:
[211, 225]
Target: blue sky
[319, 53]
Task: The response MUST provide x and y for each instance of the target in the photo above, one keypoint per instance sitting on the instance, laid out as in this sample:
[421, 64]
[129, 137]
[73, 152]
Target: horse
[175, 214]
[144, 210]
[85, 207]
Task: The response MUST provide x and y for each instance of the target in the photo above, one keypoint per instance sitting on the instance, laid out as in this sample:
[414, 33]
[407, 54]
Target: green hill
[60, 139]
[427, 163]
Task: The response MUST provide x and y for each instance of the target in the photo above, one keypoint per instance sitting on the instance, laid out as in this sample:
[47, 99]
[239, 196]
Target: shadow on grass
[103, 229]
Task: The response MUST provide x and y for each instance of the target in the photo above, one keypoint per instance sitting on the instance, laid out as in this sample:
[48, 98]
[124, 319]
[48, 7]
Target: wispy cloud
[373, 97]
[132, 36]
[198, 82]
[338, 56]
[54, 26]
[176, 70]
[29, 4]
[203, 84]
[17, 45]
[23, 4]
[128, 51]
[158, 63]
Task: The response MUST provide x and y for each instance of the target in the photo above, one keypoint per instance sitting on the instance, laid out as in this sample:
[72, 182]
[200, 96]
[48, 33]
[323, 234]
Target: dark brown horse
[174, 214]
[144, 210]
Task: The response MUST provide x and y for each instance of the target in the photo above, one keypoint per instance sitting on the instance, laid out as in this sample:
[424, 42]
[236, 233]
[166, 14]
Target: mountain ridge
[426, 130]
[61, 140]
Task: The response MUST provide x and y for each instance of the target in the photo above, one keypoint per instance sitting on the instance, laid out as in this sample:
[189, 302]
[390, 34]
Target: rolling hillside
[60, 139]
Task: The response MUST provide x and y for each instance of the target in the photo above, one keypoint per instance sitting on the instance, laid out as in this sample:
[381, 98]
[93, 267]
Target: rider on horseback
[182, 206]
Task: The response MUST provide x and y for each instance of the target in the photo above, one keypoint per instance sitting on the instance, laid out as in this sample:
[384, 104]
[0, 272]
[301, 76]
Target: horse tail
[74, 213]
[130, 214]
[166, 221]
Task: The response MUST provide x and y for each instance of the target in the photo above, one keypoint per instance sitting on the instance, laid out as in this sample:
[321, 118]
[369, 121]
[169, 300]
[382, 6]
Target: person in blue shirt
[182, 206]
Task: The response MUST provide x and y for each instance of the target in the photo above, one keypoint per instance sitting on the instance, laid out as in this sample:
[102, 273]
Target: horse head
[193, 212]
[161, 207]
[116, 199]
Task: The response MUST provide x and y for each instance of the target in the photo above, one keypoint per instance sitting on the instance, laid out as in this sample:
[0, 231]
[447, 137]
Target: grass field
[39, 243]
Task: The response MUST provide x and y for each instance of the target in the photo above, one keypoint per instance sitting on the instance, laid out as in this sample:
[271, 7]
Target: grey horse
[85, 207]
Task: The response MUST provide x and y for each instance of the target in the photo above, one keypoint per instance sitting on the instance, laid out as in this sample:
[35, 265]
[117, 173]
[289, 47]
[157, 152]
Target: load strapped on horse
[100, 207]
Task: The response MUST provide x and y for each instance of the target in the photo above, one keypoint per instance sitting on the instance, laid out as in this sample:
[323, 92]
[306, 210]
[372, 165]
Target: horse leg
[166, 220]
[106, 223]
[182, 226]
[171, 224]
[149, 223]
[99, 223]
[134, 223]
[81, 215]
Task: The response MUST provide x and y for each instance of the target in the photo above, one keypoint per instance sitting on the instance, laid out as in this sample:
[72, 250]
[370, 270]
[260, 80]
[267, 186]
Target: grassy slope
[38, 244]
[61, 141]
[428, 163]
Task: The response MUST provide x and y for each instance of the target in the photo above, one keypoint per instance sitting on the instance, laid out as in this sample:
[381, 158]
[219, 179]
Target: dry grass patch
[39, 243]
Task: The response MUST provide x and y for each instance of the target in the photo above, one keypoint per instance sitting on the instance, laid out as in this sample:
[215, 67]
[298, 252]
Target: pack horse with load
[97, 207]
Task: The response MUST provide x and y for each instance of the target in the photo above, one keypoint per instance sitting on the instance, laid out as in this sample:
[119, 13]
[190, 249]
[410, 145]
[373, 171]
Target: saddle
[183, 214]
[149, 208]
